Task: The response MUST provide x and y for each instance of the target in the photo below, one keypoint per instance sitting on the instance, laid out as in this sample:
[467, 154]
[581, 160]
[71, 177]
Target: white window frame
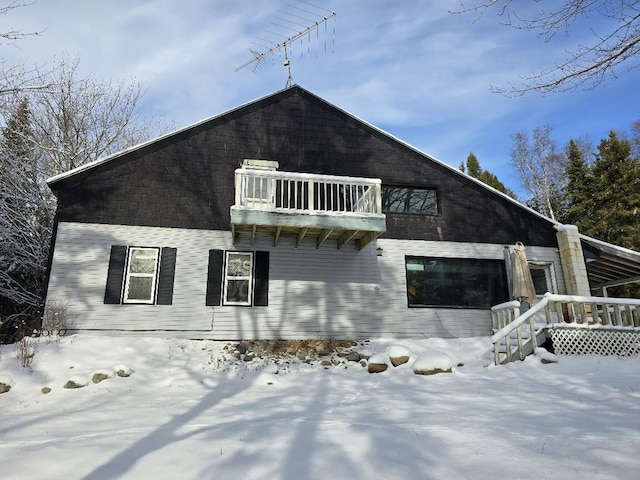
[549, 275]
[153, 276]
[227, 278]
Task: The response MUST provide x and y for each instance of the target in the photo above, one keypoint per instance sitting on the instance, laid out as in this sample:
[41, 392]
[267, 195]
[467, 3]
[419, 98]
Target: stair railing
[573, 310]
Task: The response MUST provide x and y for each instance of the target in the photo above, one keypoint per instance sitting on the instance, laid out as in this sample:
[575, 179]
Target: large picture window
[421, 201]
[455, 282]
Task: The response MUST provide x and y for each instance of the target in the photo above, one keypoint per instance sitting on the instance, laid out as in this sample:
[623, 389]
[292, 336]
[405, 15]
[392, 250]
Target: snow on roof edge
[606, 245]
[113, 156]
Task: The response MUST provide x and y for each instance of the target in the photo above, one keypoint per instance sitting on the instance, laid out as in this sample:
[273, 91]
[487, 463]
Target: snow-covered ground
[185, 413]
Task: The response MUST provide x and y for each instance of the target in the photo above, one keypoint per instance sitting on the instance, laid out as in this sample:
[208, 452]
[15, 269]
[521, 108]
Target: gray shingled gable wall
[186, 180]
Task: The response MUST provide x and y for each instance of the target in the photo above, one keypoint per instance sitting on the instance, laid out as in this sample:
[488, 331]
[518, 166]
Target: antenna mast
[271, 48]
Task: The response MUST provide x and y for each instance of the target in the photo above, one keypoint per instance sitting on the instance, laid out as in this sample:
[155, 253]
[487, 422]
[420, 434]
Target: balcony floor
[322, 226]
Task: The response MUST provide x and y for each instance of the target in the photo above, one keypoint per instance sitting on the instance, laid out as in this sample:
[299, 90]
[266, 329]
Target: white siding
[312, 292]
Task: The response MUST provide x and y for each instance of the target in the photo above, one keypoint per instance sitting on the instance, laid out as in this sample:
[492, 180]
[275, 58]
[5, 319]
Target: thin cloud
[408, 67]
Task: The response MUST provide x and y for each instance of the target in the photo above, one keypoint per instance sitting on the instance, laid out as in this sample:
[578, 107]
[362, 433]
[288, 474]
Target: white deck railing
[511, 327]
[306, 193]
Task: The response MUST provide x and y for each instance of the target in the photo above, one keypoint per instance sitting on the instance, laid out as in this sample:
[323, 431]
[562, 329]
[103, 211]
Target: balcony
[323, 207]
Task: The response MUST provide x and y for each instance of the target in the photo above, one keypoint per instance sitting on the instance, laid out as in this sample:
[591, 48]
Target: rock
[353, 357]
[431, 362]
[396, 361]
[325, 363]
[249, 357]
[74, 384]
[377, 367]
[45, 390]
[241, 348]
[378, 363]
[99, 377]
[122, 370]
[398, 354]
[4, 388]
[431, 372]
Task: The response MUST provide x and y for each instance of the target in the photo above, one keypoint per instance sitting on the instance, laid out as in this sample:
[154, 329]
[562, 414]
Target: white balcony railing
[305, 193]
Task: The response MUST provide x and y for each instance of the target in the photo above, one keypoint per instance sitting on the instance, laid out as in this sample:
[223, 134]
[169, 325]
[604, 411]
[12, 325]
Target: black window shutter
[166, 276]
[115, 274]
[214, 278]
[261, 284]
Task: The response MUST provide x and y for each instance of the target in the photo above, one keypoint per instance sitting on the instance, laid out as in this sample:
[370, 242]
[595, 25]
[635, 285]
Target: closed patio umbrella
[523, 289]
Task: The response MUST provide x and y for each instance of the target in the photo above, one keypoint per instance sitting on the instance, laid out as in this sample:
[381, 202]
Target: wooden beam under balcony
[323, 236]
[276, 235]
[346, 237]
[366, 239]
[300, 236]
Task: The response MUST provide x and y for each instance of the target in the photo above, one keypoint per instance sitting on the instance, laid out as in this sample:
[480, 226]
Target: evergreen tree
[473, 169]
[578, 191]
[616, 195]
[26, 216]
[604, 198]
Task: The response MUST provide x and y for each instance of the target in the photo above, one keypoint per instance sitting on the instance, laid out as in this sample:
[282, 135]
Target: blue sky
[410, 68]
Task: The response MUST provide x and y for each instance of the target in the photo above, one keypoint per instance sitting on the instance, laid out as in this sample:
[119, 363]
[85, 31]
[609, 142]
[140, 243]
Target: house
[288, 217]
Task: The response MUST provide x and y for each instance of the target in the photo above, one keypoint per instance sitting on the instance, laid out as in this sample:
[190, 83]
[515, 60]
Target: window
[140, 281]
[455, 282]
[422, 201]
[238, 278]
[142, 275]
[238, 275]
[543, 278]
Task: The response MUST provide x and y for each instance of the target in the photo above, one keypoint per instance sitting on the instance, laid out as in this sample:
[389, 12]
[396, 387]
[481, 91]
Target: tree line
[596, 188]
[53, 120]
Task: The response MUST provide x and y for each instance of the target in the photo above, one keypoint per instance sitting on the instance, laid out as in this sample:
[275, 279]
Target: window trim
[128, 274]
[500, 262]
[226, 278]
[436, 203]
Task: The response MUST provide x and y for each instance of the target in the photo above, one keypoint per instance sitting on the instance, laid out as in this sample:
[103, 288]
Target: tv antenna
[271, 43]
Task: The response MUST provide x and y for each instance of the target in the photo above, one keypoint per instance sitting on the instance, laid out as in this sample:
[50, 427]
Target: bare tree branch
[541, 168]
[587, 65]
[12, 35]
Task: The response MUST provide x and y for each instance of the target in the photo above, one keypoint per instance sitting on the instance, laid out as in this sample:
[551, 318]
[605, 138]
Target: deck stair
[576, 325]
